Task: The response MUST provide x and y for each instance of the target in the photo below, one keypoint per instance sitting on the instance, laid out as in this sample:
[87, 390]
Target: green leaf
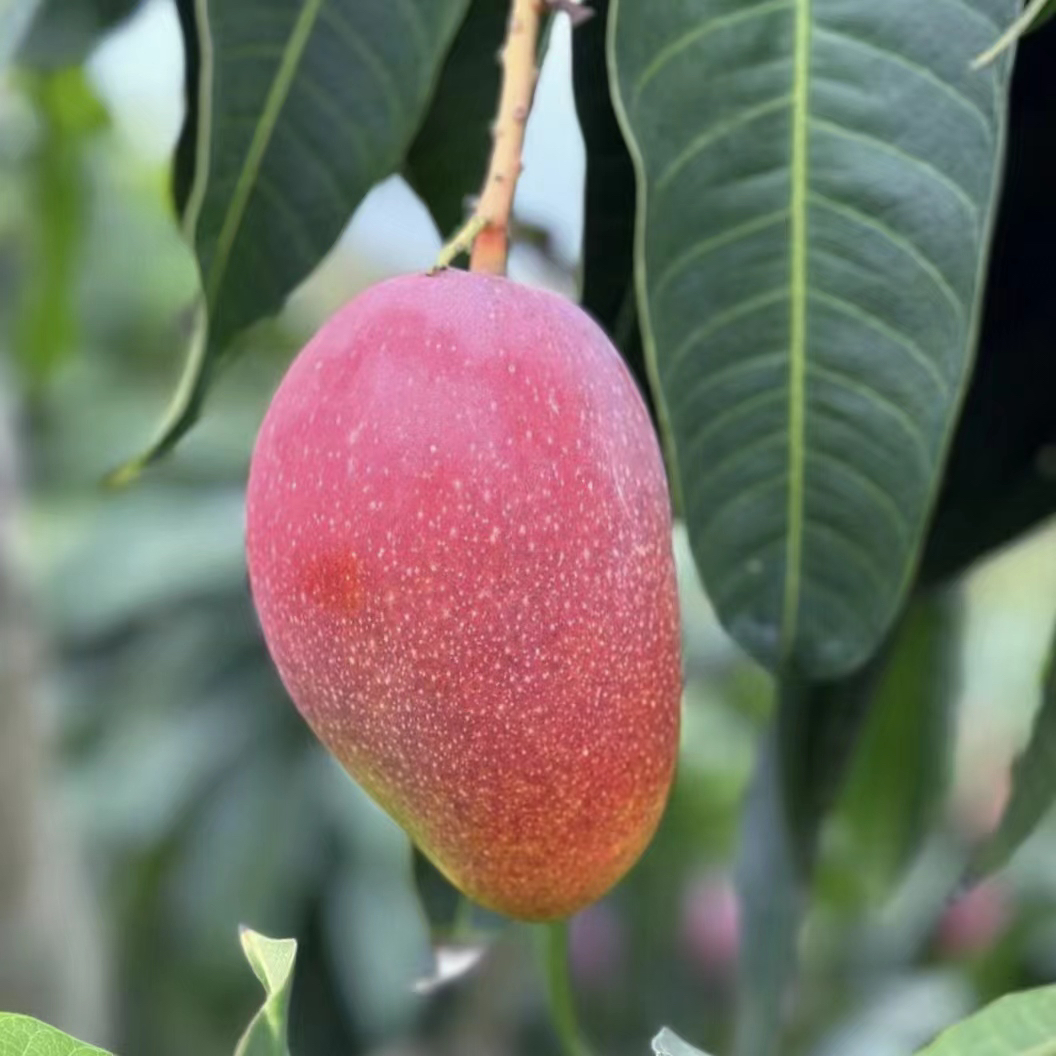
[668, 1043]
[1033, 790]
[901, 769]
[444, 907]
[272, 963]
[1021, 1024]
[816, 186]
[460, 932]
[1036, 12]
[46, 329]
[299, 110]
[449, 156]
[23, 1036]
[185, 156]
[16, 18]
[64, 33]
[773, 900]
[608, 221]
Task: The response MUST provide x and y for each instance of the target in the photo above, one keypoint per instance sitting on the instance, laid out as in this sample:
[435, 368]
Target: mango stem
[559, 987]
[486, 235]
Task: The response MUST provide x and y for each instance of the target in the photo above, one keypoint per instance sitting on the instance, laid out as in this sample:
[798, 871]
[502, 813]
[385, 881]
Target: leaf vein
[705, 246]
[705, 481]
[709, 381]
[883, 404]
[721, 320]
[834, 128]
[867, 318]
[718, 513]
[382, 75]
[337, 116]
[980, 16]
[671, 50]
[732, 414]
[249, 175]
[907, 246]
[716, 133]
[881, 497]
[854, 550]
[797, 322]
[918, 68]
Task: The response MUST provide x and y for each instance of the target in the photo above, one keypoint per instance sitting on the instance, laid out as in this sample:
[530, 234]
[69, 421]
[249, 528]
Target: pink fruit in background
[711, 923]
[597, 947]
[459, 544]
[974, 922]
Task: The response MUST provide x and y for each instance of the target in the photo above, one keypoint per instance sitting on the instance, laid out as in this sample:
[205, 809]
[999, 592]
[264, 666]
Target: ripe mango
[459, 546]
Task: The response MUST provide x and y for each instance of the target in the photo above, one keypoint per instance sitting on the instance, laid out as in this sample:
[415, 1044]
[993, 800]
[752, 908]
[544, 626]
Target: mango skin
[459, 547]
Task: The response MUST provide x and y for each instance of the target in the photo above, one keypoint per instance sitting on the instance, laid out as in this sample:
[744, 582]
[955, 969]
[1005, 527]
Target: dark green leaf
[817, 185]
[668, 1043]
[608, 221]
[64, 33]
[301, 109]
[800, 772]
[999, 481]
[460, 932]
[22, 1036]
[901, 768]
[1018, 1025]
[1033, 789]
[773, 898]
[449, 156]
[820, 725]
[443, 905]
[272, 963]
[183, 162]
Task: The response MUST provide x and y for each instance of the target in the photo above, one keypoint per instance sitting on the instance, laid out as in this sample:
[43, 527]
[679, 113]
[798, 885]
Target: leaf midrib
[277, 95]
[799, 176]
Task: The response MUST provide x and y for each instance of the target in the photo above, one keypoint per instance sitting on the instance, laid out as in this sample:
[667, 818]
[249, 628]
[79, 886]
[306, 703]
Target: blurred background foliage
[189, 795]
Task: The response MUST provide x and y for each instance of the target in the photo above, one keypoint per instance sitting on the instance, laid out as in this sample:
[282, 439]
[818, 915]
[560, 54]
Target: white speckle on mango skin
[459, 546]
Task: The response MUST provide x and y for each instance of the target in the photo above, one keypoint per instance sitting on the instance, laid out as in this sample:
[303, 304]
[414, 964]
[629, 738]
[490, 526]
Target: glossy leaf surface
[816, 183]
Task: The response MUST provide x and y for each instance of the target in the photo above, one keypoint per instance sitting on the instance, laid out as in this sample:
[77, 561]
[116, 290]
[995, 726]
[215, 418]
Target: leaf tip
[125, 475]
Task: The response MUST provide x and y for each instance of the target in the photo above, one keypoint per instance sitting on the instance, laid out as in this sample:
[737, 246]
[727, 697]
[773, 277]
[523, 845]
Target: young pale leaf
[1033, 788]
[668, 1043]
[1017, 1025]
[299, 109]
[449, 156]
[1033, 14]
[23, 1036]
[816, 185]
[272, 963]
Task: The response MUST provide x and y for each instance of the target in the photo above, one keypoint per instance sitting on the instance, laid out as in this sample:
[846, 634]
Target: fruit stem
[487, 232]
[462, 925]
[461, 242]
[559, 985]
[519, 75]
